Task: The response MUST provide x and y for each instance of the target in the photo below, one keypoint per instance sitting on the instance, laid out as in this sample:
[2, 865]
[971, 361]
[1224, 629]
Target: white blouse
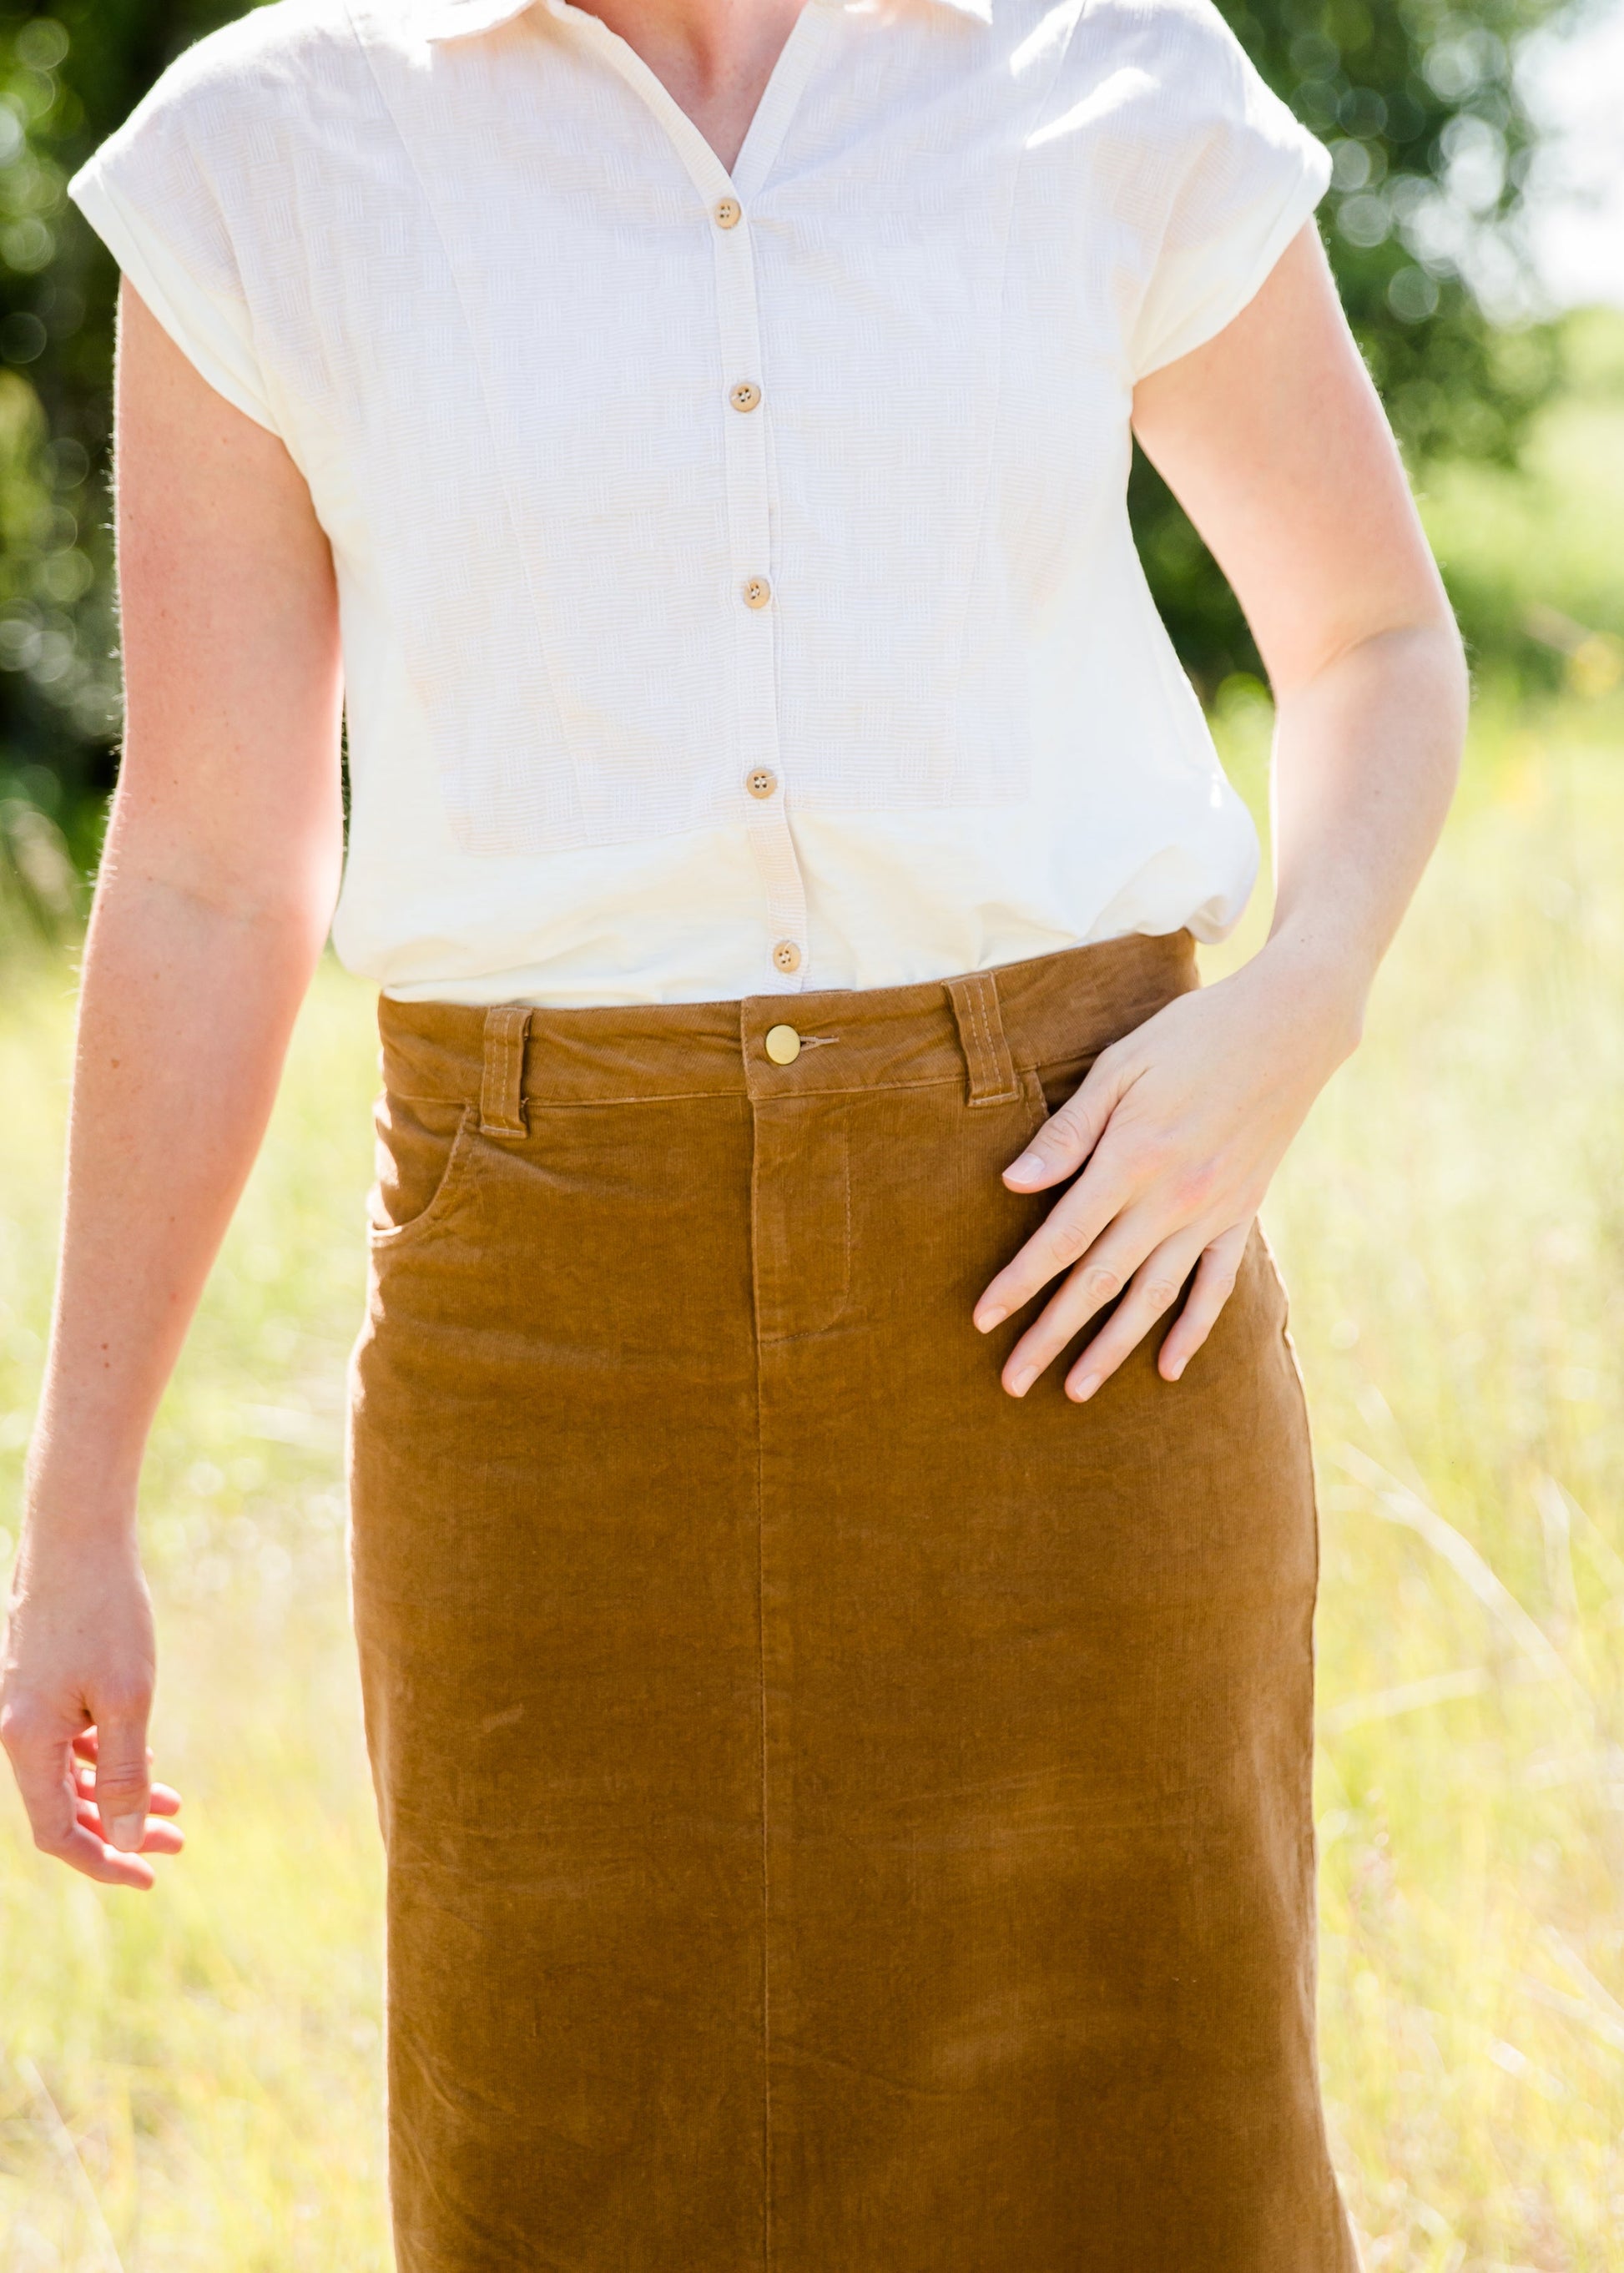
[737, 589]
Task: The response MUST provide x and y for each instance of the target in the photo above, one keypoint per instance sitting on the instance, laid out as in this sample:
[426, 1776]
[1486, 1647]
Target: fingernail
[1020, 1382]
[986, 1320]
[1086, 1388]
[1175, 1372]
[1026, 1170]
[126, 1833]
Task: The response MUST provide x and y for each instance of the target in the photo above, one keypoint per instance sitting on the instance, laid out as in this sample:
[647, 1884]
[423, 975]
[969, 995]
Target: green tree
[1417, 99]
[1420, 109]
[68, 75]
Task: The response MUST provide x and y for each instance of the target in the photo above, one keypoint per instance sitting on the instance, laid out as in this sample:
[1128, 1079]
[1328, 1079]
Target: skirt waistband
[984, 1029]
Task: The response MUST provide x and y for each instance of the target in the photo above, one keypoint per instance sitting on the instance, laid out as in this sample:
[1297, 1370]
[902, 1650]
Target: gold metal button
[757, 592]
[729, 212]
[783, 1045]
[761, 780]
[787, 955]
[746, 396]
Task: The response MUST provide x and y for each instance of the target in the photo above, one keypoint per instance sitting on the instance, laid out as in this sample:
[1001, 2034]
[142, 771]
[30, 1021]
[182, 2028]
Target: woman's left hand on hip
[1181, 1124]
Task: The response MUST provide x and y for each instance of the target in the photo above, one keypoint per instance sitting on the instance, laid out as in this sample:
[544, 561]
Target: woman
[844, 1773]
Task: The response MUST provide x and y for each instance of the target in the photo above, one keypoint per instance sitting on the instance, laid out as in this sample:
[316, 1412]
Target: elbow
[1419, 656]
[272, 872]
[1453, 674]
[286, 905]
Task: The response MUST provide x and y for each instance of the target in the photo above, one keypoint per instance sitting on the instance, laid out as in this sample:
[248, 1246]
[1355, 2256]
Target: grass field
[193, 2080]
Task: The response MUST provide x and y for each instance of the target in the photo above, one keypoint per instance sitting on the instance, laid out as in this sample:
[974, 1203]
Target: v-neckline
[769, 124]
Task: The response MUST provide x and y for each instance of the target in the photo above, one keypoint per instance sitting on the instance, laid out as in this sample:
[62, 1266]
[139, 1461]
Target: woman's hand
[1181, 1124]
[75, 1692]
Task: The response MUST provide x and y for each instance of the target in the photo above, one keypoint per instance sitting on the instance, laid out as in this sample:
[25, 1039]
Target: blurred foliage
[1530, 549]
[1416, 100]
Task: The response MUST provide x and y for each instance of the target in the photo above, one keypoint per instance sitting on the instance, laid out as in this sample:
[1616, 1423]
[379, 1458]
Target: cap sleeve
[147, 194]
[1245, 175]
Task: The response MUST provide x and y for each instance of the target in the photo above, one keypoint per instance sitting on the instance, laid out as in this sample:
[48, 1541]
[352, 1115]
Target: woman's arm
[1273, 439]
[221, 864]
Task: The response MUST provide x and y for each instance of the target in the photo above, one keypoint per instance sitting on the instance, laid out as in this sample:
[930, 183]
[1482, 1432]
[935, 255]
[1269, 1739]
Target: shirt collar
[457, 19]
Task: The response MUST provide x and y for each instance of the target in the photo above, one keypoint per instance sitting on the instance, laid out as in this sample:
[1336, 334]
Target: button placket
[754, 603]
[746, 445]
[748, 477]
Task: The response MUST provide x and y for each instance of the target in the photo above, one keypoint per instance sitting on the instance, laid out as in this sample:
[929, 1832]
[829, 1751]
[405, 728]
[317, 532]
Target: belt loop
[981, 1038]
[501, 1091]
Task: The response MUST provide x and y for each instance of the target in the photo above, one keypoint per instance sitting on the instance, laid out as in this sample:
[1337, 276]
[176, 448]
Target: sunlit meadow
[193, 2080]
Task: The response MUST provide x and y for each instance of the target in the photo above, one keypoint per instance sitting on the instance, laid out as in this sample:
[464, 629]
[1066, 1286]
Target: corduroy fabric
[839, 1819]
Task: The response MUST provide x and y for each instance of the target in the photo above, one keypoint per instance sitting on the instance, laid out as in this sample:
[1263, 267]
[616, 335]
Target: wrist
[84, 1506]
[1323, 983]
[55, 1535]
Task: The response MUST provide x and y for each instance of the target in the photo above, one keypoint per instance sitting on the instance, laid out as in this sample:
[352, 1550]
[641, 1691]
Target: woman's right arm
[217, 885]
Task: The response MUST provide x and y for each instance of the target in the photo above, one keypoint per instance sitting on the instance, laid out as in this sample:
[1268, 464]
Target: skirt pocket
[425, 1155]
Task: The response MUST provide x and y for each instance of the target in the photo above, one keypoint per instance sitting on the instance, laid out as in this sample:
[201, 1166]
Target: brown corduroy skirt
[839, 1819]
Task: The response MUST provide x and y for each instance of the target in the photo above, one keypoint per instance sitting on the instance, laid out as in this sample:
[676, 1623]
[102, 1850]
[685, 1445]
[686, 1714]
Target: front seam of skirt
[766, 1854]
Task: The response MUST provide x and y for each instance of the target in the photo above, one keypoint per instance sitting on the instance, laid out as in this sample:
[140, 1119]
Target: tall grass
[193, 2080]
[1452, 1224]
[211, 2053]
